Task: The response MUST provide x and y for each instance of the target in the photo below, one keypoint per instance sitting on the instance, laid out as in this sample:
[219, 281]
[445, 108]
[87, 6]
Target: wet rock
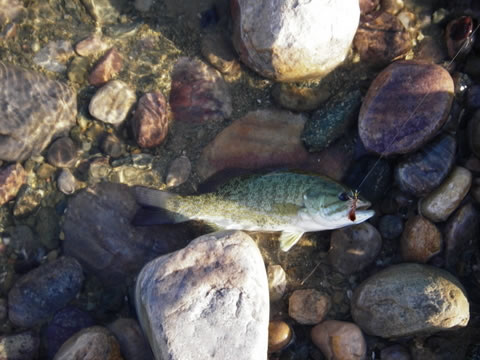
[461, 232]
[66, 182]
[106, 68]
[391, 121]
[12, 177]
[78, 69]
[112, 102]
[10, 10]
[44, 290]
[133, 344]
[105, 11]
[331, 121]
[54, 55]
[219, 52]
[390, 226]
[215, 290]
[473, 97]
[99, 234]
[409, 299]
[353, 248]
[443, 201]
[22, 346]
[380, 38]
[421, 240]
[367, 6]
[277, 282]
[113, 146]
[62, 153]
[459, 37]
[474, 133]
[300, 41]
[63, 325]
[280, 335]
[143, 5]
[198, 93]
[309, 306]
[150, 122]
[395, 352]
[296, 98]
[95, 342]
[340, 340]
[28, 199]
[91, 45]
[179, 171]
[47, 227]
[33, 110]
[423, 171]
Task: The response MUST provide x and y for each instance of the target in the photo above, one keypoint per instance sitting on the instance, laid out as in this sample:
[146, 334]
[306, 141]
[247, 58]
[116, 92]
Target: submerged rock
[106, 68]
[33, 110]
[420, 241]
[54, 55]
[178, 171]
[22, 346]
[308, 306]
[131, 339]
[12, 178]
[150, 122]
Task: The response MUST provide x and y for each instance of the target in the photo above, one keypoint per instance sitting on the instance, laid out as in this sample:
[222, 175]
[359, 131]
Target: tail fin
[151, 197]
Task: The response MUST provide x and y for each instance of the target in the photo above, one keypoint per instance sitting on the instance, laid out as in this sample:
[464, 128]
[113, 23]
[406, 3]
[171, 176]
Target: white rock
[277, 282]
[112, 102]
[290, 40]
[54, 55]
[207, 301]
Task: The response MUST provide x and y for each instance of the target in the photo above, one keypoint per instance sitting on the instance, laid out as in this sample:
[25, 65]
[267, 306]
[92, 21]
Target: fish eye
[343, 196]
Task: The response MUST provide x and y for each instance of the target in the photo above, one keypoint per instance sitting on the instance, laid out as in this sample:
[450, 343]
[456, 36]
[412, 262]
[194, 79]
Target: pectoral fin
[288, 239]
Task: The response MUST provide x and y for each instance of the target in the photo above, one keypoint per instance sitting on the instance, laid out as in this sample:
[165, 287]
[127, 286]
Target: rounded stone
[396, 117]
[12, 177]
[443, 201]
[340, 340]
[113, 146]
[280, 335]
[353, 248]
[179, 171]
[219, 52]
[409, 299]
[390, 226]
[291, 40]
[424, 170]
[106, 68]
[112, 102]
[421, 240]
[66, 182]
[309, 306]
[22, 346]
[293, 97]
[62, 153]
[150, 122]
[131, 339]
[277, 282]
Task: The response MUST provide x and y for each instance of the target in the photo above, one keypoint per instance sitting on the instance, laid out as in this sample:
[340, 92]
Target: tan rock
[308, 307]
[421, 240]
[280, 334]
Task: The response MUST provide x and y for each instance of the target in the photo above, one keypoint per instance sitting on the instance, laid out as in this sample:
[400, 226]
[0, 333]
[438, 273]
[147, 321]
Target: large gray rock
[207, 301]
[290, 40]
[409, 299]
[33, 110]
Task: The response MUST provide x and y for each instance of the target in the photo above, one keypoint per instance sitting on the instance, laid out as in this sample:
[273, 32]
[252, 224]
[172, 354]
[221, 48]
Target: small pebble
[150, 122]
[106, 68]
[421, 240]
[340, 340]
[54, 55]
[113, 146]
[10, 10]
[280, 335]
[390, 226]
[277, 282]
[78, 69]
[12, 177]
[91, 45]
[296, 98]
[179, 171]
[66, 182]
[308, 307]
[62, 153]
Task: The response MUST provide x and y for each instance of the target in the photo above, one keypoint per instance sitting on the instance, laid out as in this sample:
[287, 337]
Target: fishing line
[422, 100]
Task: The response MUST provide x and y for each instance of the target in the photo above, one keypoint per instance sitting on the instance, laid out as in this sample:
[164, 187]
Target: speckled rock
[340, 340]
[112, 102]
[91, 45]
[219, 52]
[12, 177]
[99, 235]
[420, 241]
[353, 248]
[298, 41]
[309, 306]
[424, 170]
[380, 38]
[33, 110]
[296, 98]
[409, 299]
[133, 344]
[443, 201]
[106, 68]
[63, 325]
[280, 335]
[54, 55]
[216, 291]
[22, 346]
[331, 121]
[198, 93]
[95, 342]
[277, 282]
[391, 121]
[395, 352]
[62, 153]
[461, 232]
[10, 10]
[178, 171]
[43, 291]
[150, 122]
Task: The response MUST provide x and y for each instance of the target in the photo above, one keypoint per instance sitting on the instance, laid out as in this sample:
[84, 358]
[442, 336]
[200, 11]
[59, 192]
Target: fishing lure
[353, 198]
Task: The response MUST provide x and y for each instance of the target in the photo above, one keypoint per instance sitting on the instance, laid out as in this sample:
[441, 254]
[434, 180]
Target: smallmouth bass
[290, 202]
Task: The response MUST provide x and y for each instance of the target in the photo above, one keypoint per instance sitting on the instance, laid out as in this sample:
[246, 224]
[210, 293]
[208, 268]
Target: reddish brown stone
[198, 93]
[405, 106]
[150, 122]
[12, 178]
[421, 240]
[380, 38]
[308, 306]
[106, 68]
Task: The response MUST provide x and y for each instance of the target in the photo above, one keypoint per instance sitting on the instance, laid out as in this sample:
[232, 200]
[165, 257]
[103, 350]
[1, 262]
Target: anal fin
[288, 239]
